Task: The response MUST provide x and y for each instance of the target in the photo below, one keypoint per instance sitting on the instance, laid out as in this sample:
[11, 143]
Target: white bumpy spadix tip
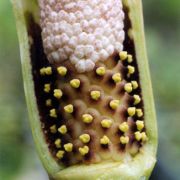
[81, 31]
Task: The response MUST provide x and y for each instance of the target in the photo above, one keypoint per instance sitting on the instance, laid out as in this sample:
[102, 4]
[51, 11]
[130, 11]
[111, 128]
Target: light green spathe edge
[48, 161]
[135, 14]
[141, 166]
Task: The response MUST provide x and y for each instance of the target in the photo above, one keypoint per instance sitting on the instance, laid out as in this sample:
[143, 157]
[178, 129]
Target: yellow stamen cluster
[114, 104]
[106, 123]
[124, 139]
[75, 83]
[58, 93]
[42, 71]
[123, 55]
[140, 136]
[131, 69]
[95, 95]
[53, 129]
[62, 129]
[131, 111]
[52, 113]
[116, 77]
[129, 58]
[100, 71]
[62, 70]
[139, 112]
[58, 143]
[124, 127]
[85, 138]
[134, 84]
[47, 88]
[104, 140]
[137, 99]
[46, 71]
[68, 147]
[69, 108]
[144, 136]
[140, 125]
[84, 150]
[60, 154]
[87, 118]
[48, 102]
[128, 87]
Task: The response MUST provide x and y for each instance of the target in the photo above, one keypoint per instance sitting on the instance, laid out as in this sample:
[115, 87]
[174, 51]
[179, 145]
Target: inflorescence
[124, 131]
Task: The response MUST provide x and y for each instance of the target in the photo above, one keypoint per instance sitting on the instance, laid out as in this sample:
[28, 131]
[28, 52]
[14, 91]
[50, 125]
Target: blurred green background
[18, 159]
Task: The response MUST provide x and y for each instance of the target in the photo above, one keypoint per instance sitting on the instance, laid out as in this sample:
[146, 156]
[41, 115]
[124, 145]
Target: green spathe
[141, 166]
[138, 169]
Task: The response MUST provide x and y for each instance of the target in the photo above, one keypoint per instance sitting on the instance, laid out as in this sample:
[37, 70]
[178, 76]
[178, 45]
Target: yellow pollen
[106, 123]
[123, 55]
[144, 136]
[134, 84]
[114, 104]
[85, 138]
[116, 77]
[53, 129]
[137, 99]
[131, 69]
[58, 93]
[48, 102]
[47, 88]
[104, 140]
[131, 111]
[48, 70]
[62, 129]
[69, 108]
[124, 127]
[53, 113]
[60, 154]
[124, 139]
[139, 112]
[87, 118]
[58, 143]
[129, 58]
[140, 125]
[75, 83]
[62, 70]
[95, 95]
[100, 71]
[68, 147]
[128, 87]
[138, 135]
[84, 150]
[42, 71]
